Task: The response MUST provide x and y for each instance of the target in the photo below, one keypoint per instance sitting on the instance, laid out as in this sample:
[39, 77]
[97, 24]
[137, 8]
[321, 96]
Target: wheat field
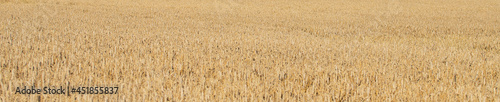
[253, 50]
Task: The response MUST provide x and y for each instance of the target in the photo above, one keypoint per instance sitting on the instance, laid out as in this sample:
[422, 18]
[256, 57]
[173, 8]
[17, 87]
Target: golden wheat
[240, 50]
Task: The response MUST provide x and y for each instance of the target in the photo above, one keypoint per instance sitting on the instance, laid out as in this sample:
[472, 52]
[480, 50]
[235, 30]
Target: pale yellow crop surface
[242, 50]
